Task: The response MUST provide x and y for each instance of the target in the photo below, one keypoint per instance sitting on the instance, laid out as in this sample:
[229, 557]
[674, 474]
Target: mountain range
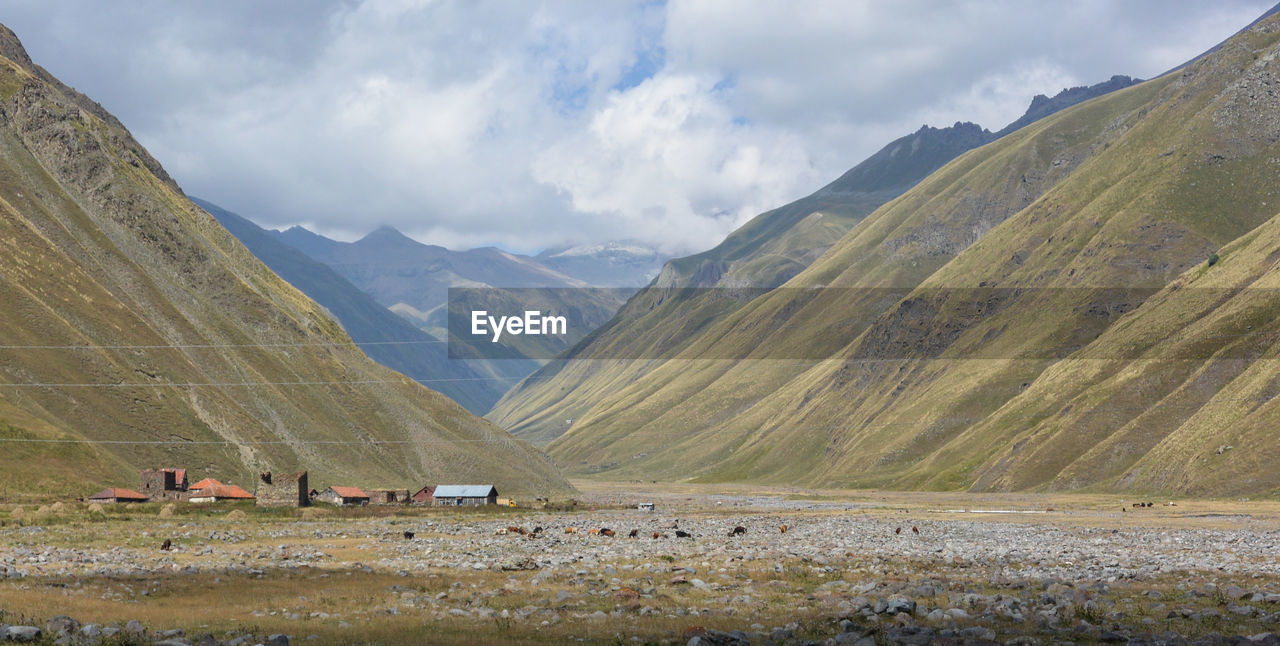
[1086, 302]
[137, 332]
[413, 279]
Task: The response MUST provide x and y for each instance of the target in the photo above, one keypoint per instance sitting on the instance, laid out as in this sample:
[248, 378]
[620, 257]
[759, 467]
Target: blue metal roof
[464, 491]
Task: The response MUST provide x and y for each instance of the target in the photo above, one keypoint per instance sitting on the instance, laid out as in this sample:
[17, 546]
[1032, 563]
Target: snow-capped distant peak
[605, 249]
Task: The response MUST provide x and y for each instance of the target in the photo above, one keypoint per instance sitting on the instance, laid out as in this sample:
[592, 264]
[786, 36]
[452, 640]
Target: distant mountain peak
[384, 233]
[1043, 106]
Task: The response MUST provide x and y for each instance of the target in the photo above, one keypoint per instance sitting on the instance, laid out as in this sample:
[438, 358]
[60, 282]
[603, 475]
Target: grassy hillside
[137, 332]
[670, 319]
[1071, 224]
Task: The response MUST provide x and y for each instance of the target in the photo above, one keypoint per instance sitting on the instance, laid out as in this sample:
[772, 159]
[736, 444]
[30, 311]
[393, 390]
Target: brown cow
[915, 530]
[571, 530]
[605, 531]
[783, 529]
[657, 535]
[593, 531]
[516, 530]
[898, 530]
[166, 545]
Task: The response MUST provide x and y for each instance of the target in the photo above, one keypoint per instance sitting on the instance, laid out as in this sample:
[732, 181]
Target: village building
[343, 496]
[117, 494]
[164, 484]
[389, 496]
[283, 491]
[465, 495]
[210, 490]
[423, 497]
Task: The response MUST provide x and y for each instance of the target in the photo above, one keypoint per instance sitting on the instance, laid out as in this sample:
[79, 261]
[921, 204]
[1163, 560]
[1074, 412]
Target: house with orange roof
[343, 496]
[210, 490]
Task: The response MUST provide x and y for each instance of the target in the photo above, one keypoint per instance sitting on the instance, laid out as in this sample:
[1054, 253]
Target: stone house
[283, 491]
[164, 484]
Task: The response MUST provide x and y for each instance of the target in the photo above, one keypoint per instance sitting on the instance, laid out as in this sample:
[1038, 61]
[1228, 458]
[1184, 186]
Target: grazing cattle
[166, 545]
[517, 530]
[571, 530]
[898, 530]
[537, 530]
[680, 533]
[657, 535]
[915, 530]
[501, 532]
[738, 531]
[782, 529]
[634, 533]
[408, 536]
[605, 531]
[593, 531]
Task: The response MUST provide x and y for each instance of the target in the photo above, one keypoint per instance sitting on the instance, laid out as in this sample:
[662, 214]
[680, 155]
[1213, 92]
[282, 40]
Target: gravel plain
[840, 573]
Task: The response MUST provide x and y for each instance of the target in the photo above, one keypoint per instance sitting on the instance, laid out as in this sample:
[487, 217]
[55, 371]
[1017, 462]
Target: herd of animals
[605, 531]
[635, 533]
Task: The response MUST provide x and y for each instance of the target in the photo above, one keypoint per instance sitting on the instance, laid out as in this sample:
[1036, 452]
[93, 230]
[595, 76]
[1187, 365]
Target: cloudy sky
[528, 124]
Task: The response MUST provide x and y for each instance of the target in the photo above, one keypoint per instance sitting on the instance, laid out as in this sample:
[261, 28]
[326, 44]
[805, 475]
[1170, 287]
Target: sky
[529, 124]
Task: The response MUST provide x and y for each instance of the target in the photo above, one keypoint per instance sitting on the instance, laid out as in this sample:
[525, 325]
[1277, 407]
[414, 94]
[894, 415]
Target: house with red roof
[117, 494]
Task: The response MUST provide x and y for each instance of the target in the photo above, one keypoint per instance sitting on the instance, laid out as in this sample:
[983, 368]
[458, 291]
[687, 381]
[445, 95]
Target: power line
[508, 440]
[250, 384]
[183, 346]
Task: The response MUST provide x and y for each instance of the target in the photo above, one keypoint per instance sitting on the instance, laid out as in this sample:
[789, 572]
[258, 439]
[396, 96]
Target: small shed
[210, 490]
[465, 495]
[117, 494]
[336, 495]
[423, 497]
[388, 496]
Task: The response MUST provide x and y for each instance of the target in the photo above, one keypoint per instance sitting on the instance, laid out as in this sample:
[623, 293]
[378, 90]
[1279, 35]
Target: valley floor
[851, 567]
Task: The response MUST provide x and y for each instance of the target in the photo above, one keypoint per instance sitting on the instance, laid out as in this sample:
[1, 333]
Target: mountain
[137, 332]
[1084, 303]
[766, 252]
[413, 279]
[384, 336]
[1043, 106]
[610, 264]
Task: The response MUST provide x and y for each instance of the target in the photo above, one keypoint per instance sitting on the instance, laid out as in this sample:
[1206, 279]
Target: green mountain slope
[766, 252]
[1069, 225]
[137, 332]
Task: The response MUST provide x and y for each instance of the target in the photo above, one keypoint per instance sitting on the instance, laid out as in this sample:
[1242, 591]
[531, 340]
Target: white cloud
[525, 125]
[668, 155]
